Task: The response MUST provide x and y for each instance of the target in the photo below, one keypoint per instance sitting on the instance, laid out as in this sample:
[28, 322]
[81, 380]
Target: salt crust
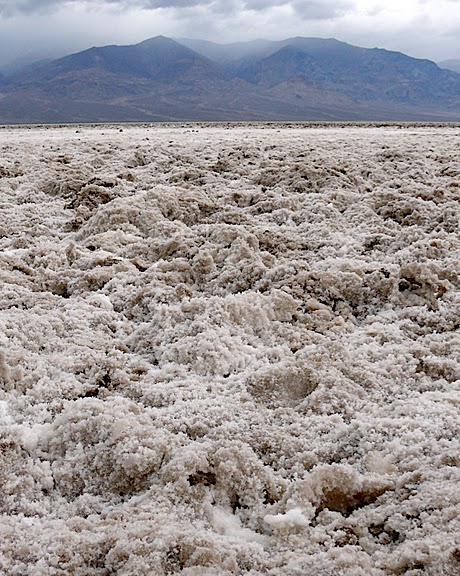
[229, 351]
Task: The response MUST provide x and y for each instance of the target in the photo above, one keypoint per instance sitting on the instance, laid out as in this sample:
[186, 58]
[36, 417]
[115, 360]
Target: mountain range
[164, 79]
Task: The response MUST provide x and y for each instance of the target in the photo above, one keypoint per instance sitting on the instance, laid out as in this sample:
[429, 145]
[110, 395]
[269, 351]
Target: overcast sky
[38, 28]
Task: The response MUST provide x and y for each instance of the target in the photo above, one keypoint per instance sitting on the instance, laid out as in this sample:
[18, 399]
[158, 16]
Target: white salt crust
[229, 350]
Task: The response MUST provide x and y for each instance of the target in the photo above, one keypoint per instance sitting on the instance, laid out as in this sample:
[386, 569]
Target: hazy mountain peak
[158, 41]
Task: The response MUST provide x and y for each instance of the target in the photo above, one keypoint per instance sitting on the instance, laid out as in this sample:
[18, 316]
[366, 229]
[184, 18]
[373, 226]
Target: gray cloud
[11, 7]
[317, 10]
[310, 9]
[313, 9]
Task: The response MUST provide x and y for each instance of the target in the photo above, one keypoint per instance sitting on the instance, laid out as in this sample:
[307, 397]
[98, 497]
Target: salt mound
[229, 351]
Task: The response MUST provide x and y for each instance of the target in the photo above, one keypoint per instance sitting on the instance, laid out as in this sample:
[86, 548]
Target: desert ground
[230, 350]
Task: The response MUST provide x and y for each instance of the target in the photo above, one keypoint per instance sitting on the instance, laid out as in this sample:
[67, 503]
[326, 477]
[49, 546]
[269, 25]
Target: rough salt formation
[229, 350]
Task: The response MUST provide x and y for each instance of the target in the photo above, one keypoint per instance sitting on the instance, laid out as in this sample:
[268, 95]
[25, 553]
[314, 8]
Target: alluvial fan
[230, 349]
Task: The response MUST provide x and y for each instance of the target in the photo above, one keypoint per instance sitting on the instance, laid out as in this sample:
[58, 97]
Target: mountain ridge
[293, 79]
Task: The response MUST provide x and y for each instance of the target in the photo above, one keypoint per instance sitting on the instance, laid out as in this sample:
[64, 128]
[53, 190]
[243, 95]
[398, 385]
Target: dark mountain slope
[156, 79]
[293, 79]
[359, 73]
[110, 71]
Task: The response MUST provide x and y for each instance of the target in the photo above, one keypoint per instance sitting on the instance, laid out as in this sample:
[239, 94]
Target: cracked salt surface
[229, 351]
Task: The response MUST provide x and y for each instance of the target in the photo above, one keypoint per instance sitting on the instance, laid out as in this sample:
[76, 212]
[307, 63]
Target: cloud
[12, 7]
[313, 9]
[317, 10]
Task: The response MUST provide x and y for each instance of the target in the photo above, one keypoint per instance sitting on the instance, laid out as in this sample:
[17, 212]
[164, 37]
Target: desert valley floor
[230, 349]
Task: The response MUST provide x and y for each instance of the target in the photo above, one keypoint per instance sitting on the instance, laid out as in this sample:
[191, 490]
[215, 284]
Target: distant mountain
[118, 71]
[293, 79]
[450, 65]
[158, 79]
[369, 75]
[328, 65]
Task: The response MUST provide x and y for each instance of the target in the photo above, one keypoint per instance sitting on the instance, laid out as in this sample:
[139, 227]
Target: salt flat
[229, 350]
